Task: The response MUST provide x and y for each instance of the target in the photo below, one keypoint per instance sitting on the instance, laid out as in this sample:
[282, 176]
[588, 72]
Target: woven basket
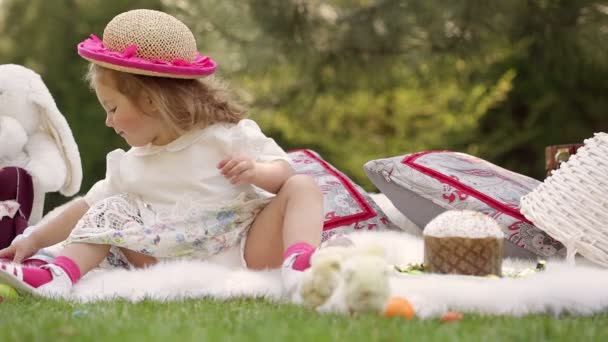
[572, 204]
[458, 255]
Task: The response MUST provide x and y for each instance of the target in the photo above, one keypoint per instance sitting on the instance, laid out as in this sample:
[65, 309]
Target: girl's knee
[301, 184]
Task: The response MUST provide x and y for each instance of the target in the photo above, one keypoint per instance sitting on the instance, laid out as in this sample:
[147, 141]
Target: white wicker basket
[572, 204]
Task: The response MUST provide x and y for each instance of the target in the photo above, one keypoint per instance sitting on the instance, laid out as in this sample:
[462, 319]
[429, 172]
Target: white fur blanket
[580, 289]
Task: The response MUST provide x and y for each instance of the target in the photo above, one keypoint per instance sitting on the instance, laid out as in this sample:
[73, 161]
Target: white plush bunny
[347, 279]
[35, 136]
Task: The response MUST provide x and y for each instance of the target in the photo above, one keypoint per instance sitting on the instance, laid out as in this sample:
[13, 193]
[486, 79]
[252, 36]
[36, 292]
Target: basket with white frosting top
[463, 242]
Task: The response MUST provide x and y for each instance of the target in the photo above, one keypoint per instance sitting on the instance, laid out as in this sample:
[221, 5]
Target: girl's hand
[238, 168]
[20, 249]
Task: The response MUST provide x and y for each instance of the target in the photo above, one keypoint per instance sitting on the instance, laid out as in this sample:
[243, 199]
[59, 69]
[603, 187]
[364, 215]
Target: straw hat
[147, 42]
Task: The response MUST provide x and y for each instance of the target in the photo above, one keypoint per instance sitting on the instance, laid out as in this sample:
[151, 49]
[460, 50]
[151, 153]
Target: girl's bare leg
[294, 215]
[137, 259]
[86, 255]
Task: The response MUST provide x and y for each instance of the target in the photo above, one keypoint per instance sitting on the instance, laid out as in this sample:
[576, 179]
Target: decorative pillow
[423, 185]
[347, 206]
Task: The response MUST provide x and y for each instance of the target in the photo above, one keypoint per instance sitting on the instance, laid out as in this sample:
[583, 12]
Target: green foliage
[365, 79]
[370, 79]
[559, 94]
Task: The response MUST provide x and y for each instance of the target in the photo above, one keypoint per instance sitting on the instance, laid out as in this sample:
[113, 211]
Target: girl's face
[129, 120]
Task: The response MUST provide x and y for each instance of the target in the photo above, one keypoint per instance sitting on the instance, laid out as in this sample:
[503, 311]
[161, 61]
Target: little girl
[199, 179]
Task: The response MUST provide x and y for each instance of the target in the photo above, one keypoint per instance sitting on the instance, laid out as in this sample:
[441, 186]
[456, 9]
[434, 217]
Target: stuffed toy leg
[16, 199]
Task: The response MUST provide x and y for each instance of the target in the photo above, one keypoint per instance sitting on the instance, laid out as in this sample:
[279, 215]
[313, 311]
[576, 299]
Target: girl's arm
[54, 230]
[270, 176]
[59, 227]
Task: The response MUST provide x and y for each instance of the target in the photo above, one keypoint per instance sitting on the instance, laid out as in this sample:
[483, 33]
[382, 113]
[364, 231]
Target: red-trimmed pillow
[347, 206]
[425, 184]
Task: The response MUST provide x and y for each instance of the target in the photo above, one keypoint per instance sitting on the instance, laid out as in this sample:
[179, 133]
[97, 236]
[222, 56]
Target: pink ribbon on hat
[96, 45]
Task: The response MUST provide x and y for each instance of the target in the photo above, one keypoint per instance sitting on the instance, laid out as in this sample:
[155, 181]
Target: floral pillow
[347, 206]
[423, 185]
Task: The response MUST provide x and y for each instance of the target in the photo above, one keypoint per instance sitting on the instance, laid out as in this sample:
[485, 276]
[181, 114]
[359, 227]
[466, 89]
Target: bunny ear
[57, 126]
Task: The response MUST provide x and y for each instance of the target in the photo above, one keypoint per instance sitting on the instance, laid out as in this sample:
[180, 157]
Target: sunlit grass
[31, 319]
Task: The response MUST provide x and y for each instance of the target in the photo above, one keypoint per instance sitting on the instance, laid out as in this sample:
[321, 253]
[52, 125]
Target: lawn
[31, 319]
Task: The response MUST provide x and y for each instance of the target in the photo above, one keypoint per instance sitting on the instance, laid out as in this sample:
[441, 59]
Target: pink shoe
[35, 260]
[60, 286]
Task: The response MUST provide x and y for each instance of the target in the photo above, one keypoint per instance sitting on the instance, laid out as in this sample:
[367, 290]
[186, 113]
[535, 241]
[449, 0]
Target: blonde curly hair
[183, 104]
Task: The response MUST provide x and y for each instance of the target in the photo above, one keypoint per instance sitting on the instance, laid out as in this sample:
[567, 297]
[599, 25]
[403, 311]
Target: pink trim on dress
[93, 48]
[367, 213]
[501, 207]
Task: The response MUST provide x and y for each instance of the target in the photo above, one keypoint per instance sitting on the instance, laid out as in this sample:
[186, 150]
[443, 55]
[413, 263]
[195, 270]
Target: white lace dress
[172, 201]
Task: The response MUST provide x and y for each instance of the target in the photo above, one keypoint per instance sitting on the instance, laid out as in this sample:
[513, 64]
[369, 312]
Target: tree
[362, 79]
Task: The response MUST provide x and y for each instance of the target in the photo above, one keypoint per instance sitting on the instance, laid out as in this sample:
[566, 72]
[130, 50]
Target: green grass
[31, 319]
